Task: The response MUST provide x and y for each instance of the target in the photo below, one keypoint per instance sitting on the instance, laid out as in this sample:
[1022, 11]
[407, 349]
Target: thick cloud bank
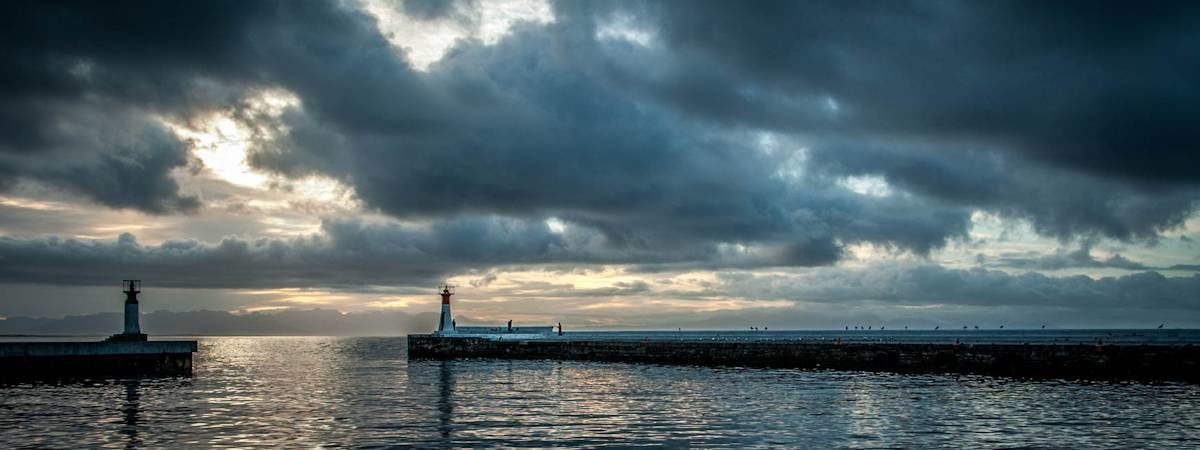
[352, 255]
[959, 105]
[665, 135]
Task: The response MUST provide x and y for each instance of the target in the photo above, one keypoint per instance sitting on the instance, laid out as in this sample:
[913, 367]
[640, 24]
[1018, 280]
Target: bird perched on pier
[1161, 325]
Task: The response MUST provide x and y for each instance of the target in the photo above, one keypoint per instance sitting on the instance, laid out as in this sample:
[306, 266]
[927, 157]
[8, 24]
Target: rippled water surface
[307, 392]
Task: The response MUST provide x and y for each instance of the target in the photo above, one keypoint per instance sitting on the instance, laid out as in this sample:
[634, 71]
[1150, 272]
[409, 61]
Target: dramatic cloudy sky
[611, 164]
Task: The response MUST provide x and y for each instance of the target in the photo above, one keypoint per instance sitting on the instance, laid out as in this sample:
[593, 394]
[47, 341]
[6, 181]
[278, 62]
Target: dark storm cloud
[528, 127]
[1079, 118]
[85, 82]
[1056, 203]
[655, 149]
[1103, 87]
[82, 82]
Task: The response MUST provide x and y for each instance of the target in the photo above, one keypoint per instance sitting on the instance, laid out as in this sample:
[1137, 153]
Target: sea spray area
[1142, 355]
[303, 392]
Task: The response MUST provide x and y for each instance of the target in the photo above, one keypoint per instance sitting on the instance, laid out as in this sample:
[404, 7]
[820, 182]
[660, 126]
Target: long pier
[87, 359]
[1137, 362]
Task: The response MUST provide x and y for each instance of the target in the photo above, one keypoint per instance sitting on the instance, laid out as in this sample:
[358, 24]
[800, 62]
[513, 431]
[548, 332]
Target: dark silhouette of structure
[133, 329]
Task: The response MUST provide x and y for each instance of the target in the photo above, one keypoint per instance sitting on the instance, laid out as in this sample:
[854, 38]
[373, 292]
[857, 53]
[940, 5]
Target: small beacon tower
[446, 323]
[133, 331]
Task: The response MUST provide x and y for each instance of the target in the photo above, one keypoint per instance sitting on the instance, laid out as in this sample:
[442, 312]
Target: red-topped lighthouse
[446, 324]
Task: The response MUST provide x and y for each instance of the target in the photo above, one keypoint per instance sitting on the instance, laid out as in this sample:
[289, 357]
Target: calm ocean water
[362, 392]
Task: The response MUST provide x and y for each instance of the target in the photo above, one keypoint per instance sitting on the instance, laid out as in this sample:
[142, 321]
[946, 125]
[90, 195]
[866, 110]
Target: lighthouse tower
[446, 323]
[133, 331]
[132, 289]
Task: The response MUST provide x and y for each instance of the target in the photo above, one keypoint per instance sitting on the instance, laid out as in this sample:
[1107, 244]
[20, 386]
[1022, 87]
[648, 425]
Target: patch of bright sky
[790, 157]
[832, 105]
[868, 185]
[274, 299]
[556, 225]
[993, 236]
[864, 254]
[625, 27]
[28, 203]
[424, 42]
[221, 142]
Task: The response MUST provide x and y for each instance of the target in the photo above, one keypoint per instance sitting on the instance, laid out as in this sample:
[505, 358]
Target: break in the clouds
[335, 144]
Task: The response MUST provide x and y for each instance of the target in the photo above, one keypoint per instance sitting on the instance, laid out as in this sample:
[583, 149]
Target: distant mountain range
[323, 322]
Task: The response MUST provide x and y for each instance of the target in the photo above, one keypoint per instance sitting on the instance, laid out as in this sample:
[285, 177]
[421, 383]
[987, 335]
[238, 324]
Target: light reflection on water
[306, 392]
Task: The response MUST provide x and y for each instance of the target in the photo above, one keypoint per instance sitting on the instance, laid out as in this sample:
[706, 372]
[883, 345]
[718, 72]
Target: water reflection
[445, 404]
[130, 411]
[351, 392]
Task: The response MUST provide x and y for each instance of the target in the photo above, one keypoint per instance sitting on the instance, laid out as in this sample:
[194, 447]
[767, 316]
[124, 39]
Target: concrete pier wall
[87, 359]
[1110, 362]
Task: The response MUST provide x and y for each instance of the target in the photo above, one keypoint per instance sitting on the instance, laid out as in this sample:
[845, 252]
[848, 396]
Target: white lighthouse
[133, 330]
[446, 323]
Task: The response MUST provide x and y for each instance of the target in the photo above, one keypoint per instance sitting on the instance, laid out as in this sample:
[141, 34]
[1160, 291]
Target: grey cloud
[1030, 111]
[121, 161]
[1074, 259]
[529, 127]
[485, 280]
[437, 9]
[925, 284]
[1099, 88]
[347, 254]
[550, 122]
[550, 136]
[1057, 203]
[83, 83]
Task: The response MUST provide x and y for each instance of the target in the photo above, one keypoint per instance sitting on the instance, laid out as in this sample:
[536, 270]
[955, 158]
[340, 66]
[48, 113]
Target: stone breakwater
[88, 359]
[1069, 361]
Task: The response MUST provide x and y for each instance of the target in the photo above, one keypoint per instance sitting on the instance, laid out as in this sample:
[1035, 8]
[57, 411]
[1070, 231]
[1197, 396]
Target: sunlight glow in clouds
[221, 142]
[869, 185]
[624, 27]
[222, 145]
[424, 42]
